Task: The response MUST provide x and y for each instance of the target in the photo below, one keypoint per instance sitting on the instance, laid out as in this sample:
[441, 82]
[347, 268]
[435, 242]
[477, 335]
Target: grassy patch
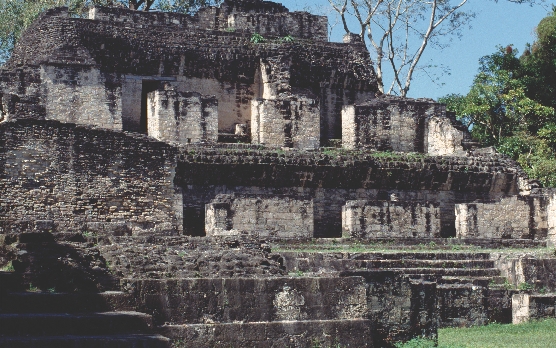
[535, 334]
[391, 247]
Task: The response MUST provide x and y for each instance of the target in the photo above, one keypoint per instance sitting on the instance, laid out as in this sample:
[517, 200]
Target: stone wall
[551, 218]
[60, 177]
[400, 124]
[527, 306]
[332, 180]
[182, 117]
[286, 123]
[245, 16]
[399, 309]
[385, 219]
[260, 216]
[295, 24]
[511, 217]
[217, 300]
[81, 95]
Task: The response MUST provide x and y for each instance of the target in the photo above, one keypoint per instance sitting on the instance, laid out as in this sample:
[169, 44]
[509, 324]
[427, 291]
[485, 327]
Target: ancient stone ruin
[222, 179]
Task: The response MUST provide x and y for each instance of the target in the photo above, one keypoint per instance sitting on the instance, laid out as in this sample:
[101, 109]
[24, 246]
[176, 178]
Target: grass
[535, 334]
[391, 247]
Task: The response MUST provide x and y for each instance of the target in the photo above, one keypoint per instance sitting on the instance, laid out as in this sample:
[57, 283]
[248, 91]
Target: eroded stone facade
[229, 158]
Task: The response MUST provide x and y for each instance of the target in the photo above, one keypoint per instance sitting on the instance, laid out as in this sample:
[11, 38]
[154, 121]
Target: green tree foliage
[511, 104]
[16, 15]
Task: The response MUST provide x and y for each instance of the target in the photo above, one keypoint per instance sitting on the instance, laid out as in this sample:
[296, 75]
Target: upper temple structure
[246, 71]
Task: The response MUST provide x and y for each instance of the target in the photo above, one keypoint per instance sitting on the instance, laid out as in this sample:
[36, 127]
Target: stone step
[387, 255]
[100, 341]
[470, 272]
[308, 265]
[424, 264]
[489, 281]
[425, 272]
[278, 334]
[44, 302]
[58, 324]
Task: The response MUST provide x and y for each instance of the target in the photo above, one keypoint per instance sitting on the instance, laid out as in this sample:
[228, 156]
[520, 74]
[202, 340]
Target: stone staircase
[470, 289]
[215, 292]
[194, 291]
[43, 319]
[34, 312]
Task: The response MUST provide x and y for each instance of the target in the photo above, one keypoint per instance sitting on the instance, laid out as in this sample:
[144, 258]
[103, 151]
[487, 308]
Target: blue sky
[501, 23]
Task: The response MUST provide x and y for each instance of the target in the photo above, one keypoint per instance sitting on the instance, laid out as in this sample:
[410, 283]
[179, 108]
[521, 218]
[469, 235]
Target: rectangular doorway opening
[147, 87]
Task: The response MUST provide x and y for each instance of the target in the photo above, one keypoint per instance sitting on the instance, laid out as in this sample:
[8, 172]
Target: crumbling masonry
[186, 146]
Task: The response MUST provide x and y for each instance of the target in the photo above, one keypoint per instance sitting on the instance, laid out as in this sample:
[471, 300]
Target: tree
[399, 32]
[499, 112]
[539, 62]
[16, 15]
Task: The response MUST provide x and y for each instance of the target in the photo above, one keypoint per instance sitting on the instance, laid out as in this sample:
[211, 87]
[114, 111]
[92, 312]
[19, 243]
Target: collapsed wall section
[59, 177]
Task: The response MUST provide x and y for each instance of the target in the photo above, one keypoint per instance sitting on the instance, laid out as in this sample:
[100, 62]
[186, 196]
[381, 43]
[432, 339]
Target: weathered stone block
[205, 300]
[507, 218]
[442, 138]
[182, 117]
[526, 306]
[261, 216]
[279, 334]
[401, 124]
[378, 219]
[286, 123]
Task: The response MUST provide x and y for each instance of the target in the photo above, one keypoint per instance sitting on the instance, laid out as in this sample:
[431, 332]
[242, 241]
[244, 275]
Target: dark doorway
[148, 86]
[194, 221]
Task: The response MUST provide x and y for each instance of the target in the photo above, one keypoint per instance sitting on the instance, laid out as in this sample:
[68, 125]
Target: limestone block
[182, 117]
[508, 218]
[379, 219]
[286, 123]
[520, 308]
[261, 216]
[442, 137]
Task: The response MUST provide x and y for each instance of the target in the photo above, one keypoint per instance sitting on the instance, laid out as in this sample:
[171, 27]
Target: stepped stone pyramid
[234, 179]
